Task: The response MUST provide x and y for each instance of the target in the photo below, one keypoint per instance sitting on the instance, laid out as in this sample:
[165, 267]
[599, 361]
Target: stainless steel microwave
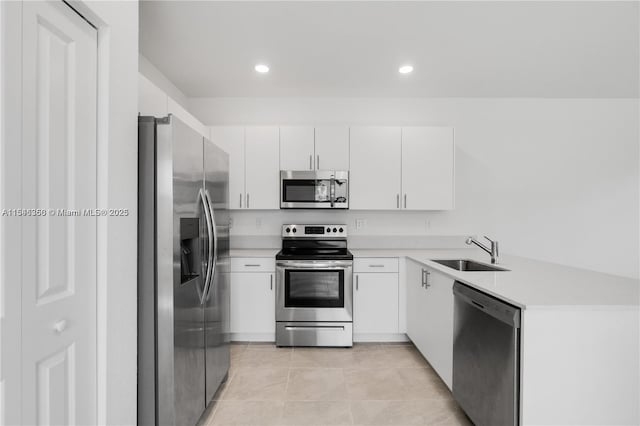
[322, 189]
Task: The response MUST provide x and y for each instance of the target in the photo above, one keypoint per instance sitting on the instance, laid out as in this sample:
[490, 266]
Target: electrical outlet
[258, 222]
[230, 222]
[427, 224]
[360, 223]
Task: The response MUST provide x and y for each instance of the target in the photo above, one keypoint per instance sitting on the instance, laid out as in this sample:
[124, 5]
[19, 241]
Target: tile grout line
[349, 401]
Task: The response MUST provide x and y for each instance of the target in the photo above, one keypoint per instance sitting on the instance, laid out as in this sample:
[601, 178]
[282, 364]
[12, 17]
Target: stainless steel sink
[467, 265]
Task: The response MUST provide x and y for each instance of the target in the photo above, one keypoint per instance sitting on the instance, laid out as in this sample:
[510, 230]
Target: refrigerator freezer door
[189, 362]
[216, 164]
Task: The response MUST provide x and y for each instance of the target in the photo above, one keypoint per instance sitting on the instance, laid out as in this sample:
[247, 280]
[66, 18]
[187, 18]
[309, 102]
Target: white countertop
[529, 283]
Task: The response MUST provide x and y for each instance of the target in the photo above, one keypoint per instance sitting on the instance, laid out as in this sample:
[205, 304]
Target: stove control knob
[341, 230]
[288, 230]
[328, 229]
[294, 230]
[335, 230]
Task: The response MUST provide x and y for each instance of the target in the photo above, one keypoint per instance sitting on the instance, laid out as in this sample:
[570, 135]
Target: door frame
[117, 25]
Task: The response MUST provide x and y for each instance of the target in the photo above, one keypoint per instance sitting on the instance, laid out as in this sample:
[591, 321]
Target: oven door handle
[307, 265]
[314, 327]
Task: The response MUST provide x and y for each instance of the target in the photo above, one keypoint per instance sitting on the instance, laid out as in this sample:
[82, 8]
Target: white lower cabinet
[253, 302]
[375, 299]
[430, 317]
[375, 303]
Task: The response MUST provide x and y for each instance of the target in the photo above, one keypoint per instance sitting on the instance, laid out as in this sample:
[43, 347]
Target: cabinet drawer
[375, 264]
[253, 264]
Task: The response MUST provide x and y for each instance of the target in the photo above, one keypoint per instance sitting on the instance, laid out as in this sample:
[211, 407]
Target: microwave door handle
[332, 191]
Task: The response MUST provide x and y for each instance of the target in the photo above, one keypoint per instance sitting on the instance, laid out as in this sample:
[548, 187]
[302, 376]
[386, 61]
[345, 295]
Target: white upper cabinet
[262, 168]
[401, 169]
[254, 165]
[332, 148]
[375, 164]
[427, 168]
[297, 148]
[309, 148]
[231, 139]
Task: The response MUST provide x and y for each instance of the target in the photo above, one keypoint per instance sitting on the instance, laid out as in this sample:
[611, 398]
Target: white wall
[552, 179]
[155, 76]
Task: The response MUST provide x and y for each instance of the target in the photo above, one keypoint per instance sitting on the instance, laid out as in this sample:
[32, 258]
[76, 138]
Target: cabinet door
[262, 168]
[374, 178]
[231, 139]
[416, 309]
[439, 324]
[427, 168]
[375, 303]
[253, 302]
[296, 148]
[332, 148]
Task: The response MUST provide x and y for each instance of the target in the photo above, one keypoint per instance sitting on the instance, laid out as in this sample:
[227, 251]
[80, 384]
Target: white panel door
[262, 168]
[59, 252]
[332, 147]
[296, 148]
[231, 139]
[375, 303]
[427, 168]
[374, 176]
[253, 302]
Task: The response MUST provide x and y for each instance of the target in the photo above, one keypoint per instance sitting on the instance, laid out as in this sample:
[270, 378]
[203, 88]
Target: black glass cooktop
[314, 250]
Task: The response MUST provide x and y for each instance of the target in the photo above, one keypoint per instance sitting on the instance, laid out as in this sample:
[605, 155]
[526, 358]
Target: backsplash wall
[552, 179]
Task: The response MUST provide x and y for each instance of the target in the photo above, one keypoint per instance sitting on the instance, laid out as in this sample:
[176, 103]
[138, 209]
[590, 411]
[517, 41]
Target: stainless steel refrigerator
[183, 272]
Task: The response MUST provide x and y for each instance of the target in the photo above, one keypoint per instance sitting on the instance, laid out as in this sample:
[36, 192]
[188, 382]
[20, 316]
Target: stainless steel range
[314, 287]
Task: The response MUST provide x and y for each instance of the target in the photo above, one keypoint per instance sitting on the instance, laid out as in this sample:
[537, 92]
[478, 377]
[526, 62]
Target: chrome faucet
[493, 251]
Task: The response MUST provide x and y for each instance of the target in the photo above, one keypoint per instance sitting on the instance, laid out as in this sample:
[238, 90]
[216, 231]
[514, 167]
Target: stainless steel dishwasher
[486, 357]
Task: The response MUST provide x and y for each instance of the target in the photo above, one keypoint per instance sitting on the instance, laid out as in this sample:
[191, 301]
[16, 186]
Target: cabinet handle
[311, 162]
[405, 201]
[318, 162]
[376, 266]
[357, 282]
[247, 200]
[252, 264]
[397, 201]
[426, 279]
[271, 281]
[241, 200]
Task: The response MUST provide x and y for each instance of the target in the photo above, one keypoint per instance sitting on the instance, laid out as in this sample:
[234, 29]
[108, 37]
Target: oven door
[314, 189]
[314, 290]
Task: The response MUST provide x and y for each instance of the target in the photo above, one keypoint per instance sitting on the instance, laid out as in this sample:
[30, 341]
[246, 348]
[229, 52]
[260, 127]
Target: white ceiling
[458, 49]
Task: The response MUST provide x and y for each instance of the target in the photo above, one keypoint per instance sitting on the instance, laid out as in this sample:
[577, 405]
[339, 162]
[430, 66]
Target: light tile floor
[370, 384]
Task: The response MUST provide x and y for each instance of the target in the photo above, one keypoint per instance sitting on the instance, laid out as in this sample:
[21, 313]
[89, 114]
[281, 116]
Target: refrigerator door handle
[207, 216]
[213, 254]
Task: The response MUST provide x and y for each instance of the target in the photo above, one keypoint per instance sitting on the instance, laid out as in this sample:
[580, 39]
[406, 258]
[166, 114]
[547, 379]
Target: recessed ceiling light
[262, 68]
[405, 69]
